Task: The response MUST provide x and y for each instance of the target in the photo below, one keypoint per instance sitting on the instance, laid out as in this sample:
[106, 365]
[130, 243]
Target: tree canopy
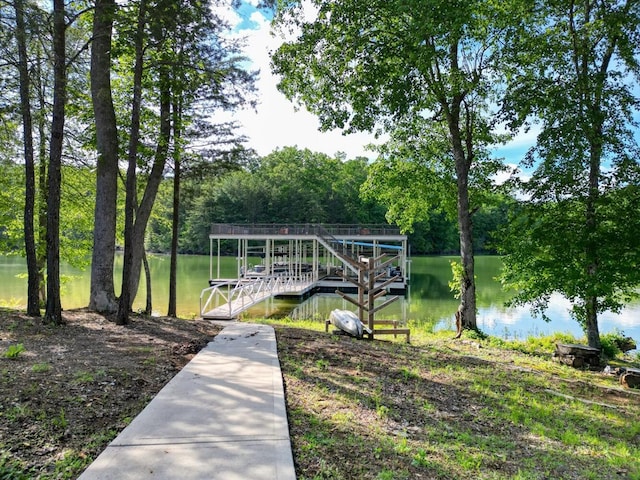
[423, 70]
[575, 71]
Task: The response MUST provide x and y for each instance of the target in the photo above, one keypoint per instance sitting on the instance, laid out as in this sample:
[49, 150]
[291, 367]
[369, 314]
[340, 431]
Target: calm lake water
[429, 304]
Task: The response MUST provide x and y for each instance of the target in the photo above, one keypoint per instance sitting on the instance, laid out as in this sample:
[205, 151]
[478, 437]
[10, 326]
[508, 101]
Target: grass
[13, 351]
[477, 407]
[439, 408]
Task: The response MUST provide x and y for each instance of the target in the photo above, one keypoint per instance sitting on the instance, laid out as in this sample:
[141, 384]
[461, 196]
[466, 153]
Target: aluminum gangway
[227, 300]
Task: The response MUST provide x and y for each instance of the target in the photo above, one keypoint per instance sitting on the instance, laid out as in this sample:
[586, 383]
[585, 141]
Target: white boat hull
[348, 322]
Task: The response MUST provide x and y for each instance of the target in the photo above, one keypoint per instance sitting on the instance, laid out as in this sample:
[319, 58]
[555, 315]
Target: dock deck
[225, 301]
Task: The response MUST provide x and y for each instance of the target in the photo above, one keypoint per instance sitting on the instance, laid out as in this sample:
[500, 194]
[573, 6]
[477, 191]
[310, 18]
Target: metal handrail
[302, 229]
[245, 293]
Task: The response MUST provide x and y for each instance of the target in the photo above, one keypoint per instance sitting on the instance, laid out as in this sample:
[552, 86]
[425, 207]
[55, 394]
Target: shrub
[614, 343]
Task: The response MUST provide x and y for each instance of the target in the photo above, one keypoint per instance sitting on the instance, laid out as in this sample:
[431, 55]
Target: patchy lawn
[444, 409]
[452, 409]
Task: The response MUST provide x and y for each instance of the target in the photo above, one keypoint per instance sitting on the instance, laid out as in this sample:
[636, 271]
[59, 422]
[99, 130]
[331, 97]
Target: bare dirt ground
[74, 387]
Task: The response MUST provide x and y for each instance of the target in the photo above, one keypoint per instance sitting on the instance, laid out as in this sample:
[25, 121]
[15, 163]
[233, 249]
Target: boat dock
[297, 260]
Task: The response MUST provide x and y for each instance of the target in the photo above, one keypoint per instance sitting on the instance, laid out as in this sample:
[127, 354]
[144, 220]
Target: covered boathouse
[298, 260]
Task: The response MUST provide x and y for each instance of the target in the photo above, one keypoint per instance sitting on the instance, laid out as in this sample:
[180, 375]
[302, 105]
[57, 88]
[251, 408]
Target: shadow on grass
[377, 410]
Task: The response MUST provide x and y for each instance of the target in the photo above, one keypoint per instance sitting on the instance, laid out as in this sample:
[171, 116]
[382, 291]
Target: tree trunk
[153, 183]
[468, 284]
[591, 323]
[466, 314]
[148, 310]
[467, 308]
[127, 295]
[33, 282]
[53, 312]
[42, 198]
[592, 247]
[175, 217]
[173, 266]
[102, 296]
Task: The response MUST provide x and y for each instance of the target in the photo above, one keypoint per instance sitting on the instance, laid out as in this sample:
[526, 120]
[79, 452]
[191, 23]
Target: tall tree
[40, 67]
[131, 183]
[102, 295]
[361, 64]
[53, 313]
[162, 70]
[576, 72]
[33, 282]
[198, 72]
[175, 220]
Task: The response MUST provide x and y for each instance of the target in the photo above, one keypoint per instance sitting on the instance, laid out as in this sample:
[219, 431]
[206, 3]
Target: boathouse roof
[227, 230]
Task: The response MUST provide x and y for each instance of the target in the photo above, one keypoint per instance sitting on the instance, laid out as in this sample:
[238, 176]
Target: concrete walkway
[221, 417]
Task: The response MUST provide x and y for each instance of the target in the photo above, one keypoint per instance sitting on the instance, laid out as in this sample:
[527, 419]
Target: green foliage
[68, 466]
[534, 345]
[60, 421]
[577, 232]
[612, 343]
[76, 213]
[409, 190]
[11, 469]
[40, 367]
[346, 67]
[457, 274]
[13, 351]
[415, 178]
[545, 247]
[287, 186]
[84, 377]
[11, 206]
[299, 186]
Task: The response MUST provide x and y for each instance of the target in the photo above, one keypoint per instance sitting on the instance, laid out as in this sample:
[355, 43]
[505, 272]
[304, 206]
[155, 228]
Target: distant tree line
[293, 185]
[290, 185]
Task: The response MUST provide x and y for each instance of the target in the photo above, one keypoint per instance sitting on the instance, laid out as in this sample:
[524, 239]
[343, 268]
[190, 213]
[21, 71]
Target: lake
[429, 304]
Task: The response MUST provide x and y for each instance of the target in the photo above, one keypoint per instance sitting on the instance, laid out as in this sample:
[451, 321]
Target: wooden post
[366, 284]
[361, 274]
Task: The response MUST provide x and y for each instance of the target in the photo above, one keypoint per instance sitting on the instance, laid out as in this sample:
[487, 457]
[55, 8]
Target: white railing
[228, 299]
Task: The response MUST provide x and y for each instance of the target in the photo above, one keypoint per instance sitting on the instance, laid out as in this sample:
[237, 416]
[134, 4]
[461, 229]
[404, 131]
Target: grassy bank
[448, 409]
[436, 409]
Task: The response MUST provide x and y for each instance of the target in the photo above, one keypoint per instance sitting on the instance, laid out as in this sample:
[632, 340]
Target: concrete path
[221, 417]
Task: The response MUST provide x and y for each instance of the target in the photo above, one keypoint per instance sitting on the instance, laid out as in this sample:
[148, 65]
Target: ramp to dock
[226, 300]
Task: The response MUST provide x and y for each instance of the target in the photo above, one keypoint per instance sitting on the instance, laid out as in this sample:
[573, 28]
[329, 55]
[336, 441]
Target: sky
[277, 123]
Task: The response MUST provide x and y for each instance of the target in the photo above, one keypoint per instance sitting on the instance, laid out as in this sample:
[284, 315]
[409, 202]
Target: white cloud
[276, 123]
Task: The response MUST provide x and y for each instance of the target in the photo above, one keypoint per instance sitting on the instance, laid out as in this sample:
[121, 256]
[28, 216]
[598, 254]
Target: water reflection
[429, 304]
